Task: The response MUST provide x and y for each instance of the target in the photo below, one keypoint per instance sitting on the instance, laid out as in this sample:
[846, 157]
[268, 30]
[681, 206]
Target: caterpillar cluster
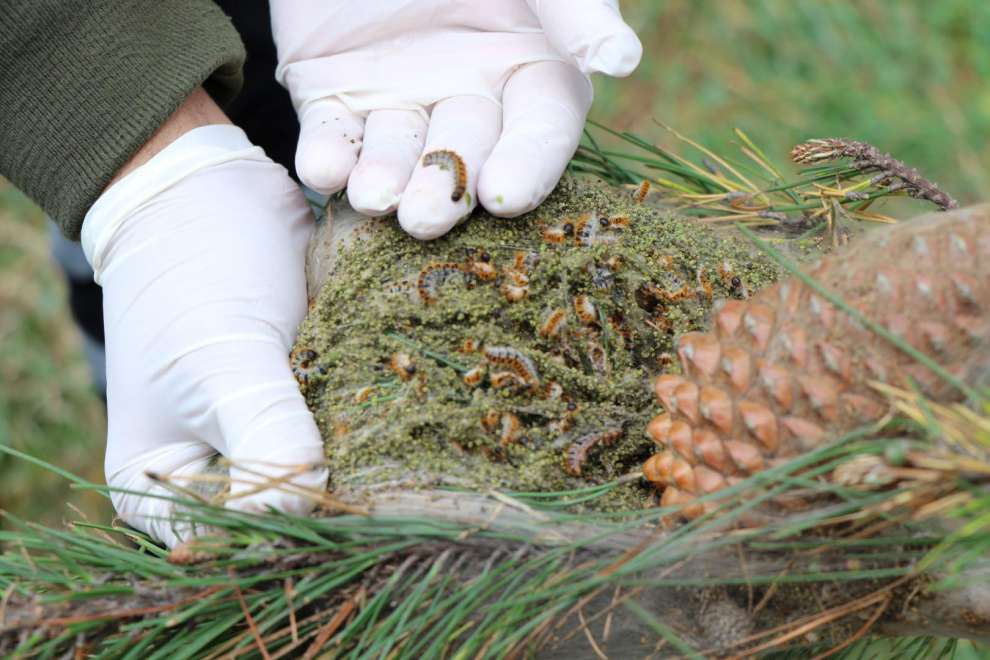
[577, 453]
[446, 159]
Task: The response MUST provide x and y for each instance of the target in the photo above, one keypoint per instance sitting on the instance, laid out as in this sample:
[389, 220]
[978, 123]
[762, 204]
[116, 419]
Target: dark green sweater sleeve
[84, 83]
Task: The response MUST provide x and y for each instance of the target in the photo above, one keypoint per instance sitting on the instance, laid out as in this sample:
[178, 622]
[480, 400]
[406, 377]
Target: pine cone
[786, 371]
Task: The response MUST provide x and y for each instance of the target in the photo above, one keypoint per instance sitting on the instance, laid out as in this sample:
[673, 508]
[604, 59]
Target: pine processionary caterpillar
[433, 275]
[585, 309]
[577, 453]
[518, 364]
[511, 429]
[585, 229]
[474, 377]
[555, 320]
[402, 365]
[446, 159]
[642, 191]
[304, 367]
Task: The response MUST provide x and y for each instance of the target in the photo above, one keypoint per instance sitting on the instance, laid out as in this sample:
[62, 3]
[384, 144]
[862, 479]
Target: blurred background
[911, 76]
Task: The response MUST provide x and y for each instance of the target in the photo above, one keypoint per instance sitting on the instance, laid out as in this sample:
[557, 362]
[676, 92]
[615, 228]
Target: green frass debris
[478, 360]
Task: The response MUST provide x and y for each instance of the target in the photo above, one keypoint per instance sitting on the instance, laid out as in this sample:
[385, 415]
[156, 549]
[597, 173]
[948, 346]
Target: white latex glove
[200, 254]
[503, 83]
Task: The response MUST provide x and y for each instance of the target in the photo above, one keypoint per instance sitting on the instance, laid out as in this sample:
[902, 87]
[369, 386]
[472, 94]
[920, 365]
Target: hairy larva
[585, 229]
[433, 275]
[521, 261]
[517, 363]
[470, 345]
[474, 377]
[402, 365]
[554, 235]
[511, 429]
[553, 391]
[704, 286]
[484, 271]
[598, 357]
[577, 453]
[725, 271]
[516, 286]
[503, 379]
[642, 191]
[364, 394]
[585, 309]
[615, 222]
[304, 366]
[490, 420]
[514, 293]
[553, 322]
[446, 159]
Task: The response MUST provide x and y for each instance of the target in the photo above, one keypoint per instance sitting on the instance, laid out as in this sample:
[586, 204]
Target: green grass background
[911, 76]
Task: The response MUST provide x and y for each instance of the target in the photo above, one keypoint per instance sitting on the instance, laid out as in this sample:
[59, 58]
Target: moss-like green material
[426, 427]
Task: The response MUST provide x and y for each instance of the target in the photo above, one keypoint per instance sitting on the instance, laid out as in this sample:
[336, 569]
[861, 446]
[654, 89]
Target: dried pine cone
[785, 371]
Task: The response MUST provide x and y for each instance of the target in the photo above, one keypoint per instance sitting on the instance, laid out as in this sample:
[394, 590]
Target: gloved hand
[503, 83]
[200, 254]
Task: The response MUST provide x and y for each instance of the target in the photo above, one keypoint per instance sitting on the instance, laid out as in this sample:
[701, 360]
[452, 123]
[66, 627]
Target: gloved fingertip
[427, 210]
[323, 168]
[618, 55]
[374, 190]
[505, 196]
[422, 219]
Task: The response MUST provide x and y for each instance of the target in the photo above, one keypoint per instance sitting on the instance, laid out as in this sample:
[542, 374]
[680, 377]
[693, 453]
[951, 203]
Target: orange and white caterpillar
[446, 159]
[474, 377]
[704, 286]
[598, 357]
[503, 379]
[511, 429]
[553, 391]
[304, 366]
[585, 229]
[517, 363]
[615, 222]
[560, 234]
[642, 191]
[585, 309]
[516, 286]
[577, 453]
[402, 365]
[479, 264]
[553, 323]
[433, 276]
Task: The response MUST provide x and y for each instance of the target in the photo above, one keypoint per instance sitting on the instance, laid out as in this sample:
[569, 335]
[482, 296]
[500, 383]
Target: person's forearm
[197, 110]
[84, 86]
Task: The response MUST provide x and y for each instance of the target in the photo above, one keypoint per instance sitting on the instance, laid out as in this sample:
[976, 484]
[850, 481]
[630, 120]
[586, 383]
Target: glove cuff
[195, 150]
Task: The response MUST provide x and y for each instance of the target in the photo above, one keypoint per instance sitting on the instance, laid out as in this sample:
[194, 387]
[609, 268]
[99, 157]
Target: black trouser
[263, 109]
